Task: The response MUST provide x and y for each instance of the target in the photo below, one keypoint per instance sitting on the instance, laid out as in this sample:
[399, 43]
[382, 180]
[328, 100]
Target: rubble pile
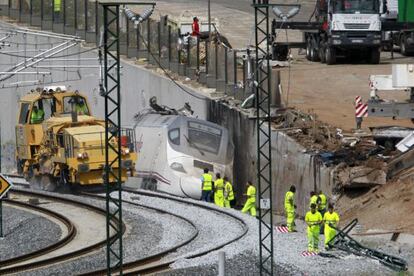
[358, 160]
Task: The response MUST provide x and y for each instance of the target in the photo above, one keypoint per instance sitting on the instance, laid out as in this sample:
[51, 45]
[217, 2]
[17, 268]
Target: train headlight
[125, 151]
[82, 155]
[177, 167]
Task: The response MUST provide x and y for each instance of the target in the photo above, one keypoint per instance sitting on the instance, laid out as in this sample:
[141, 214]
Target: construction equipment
[344, 242]
[402, 79]
[399, 12]
[63, 145]
[336, 28]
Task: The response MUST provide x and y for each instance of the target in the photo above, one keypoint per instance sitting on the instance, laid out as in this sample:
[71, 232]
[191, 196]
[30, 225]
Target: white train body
[174, 150]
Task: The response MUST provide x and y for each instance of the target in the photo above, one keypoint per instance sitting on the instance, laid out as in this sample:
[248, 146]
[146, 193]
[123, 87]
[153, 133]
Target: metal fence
[157, 41]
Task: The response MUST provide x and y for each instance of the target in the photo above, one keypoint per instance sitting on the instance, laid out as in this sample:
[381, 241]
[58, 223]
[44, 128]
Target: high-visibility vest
[228, 188]
[207, 182]
[314, 200]
[37, 117]
[313, 220]
[81, 109]
[331, 219]
[56, 5]
[251, 193]
[289, 197]
[219, 186]
[322, 203]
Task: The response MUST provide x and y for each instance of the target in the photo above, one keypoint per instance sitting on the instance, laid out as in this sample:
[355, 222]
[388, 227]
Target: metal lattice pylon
[113, 173]
[264, 157]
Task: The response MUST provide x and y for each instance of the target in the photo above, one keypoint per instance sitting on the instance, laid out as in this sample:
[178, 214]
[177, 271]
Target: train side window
[24, 113]
[174, 135]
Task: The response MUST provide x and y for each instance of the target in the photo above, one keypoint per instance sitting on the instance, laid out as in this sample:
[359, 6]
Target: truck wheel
[403, 46]
[330, 55]
[314, 55]
[322, 54]
[308, 49]
[375, 56]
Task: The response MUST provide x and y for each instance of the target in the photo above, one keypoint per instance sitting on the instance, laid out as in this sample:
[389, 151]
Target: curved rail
[63, 257]
[153, 263]
[154, 257]
[62, 242]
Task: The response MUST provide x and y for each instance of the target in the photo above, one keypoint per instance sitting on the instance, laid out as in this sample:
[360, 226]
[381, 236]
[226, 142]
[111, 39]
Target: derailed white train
[174, 150]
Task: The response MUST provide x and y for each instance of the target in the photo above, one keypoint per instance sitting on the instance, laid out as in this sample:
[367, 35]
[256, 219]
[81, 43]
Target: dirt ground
[385, 208]
[329, 90]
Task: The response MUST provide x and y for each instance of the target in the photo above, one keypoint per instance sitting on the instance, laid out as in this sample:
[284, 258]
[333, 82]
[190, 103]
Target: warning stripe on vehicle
[307, 253]
[282, 229]
[361, 110]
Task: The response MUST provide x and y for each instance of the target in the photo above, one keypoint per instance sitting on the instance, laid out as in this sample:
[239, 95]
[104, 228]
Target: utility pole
[263, 132]
[110, 89]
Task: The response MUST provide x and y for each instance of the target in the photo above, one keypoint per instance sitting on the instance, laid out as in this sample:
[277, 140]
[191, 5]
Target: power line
[67, 55]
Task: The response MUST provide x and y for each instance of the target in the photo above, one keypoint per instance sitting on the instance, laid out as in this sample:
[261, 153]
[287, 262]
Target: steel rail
[143, 267]
[154, 257]
[72, 231]
[63, 257]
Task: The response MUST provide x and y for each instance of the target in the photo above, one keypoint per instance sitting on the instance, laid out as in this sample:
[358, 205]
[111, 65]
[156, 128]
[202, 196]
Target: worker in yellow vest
[313, 219]
[228, 193]
[56, 10]
[322, 201]
[290, 208]
[219, 191]
[37, 115]
[330, 220]
[81, 108]
[313, 199]
[206, 185]
[250, 204]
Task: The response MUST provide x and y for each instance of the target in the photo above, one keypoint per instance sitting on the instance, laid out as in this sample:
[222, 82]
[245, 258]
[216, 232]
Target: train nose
[191, 187]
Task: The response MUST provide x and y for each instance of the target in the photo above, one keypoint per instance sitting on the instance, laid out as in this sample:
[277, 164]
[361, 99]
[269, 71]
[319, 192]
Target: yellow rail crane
[59, 144]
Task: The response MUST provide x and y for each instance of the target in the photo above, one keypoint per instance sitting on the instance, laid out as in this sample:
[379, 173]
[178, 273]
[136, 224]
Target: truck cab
[346, 25]
[36, 108]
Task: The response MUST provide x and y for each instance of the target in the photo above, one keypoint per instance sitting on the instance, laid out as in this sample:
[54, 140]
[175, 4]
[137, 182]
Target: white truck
[346, 26]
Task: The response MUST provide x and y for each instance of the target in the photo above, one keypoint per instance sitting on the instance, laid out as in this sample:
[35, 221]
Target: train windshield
[204, 137]
[356, 6]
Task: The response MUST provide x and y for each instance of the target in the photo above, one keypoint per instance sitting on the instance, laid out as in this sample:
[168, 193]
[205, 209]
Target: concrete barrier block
[58, 28]
[202, 78]
[211, 81]
[182, 70]
[192, 73]
[221, 85]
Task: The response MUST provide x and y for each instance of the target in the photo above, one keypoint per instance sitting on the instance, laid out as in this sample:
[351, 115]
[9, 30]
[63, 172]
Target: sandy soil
[329, 91]
[389, 207]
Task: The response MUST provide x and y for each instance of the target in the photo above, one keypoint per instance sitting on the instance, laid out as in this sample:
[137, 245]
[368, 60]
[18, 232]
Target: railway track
[161, 261]
[56, 252]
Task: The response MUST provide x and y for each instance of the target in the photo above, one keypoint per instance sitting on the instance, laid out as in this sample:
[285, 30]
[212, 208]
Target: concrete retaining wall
[290, 165]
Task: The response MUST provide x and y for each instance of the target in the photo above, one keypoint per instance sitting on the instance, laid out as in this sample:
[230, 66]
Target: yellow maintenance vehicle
[59, 144]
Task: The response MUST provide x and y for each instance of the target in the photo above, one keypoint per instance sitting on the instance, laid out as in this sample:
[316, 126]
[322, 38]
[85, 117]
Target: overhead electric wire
[67, 55]
[168, 74]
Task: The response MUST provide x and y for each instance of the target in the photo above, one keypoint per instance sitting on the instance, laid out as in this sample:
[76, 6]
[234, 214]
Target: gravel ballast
[242, 256]
[25, 232]
[148, 232]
